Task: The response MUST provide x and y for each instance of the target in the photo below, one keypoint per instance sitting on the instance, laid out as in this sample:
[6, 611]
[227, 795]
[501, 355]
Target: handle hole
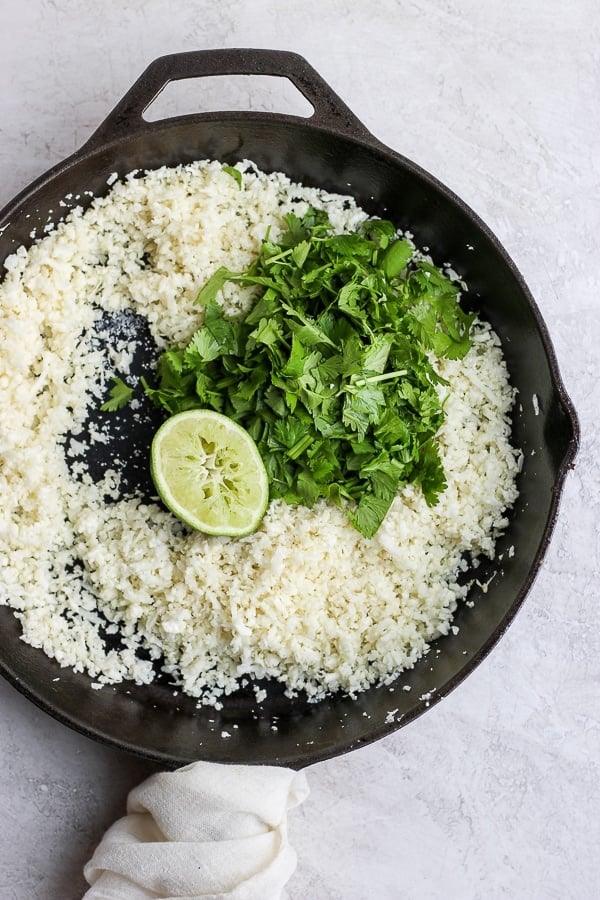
[259, 93]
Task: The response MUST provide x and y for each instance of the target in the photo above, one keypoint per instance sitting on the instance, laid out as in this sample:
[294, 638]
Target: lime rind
[207, 470]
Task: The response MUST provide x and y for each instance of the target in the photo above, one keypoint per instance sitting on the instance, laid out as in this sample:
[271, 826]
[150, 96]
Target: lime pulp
[208, 472]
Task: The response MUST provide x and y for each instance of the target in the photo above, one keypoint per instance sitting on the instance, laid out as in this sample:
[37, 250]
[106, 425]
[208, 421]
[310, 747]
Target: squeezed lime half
[208, 472]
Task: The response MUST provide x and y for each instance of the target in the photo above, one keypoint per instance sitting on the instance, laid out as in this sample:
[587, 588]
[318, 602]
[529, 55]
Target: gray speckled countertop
[494, 792]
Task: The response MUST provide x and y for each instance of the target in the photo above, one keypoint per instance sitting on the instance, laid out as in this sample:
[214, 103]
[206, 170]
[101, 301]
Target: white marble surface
[495, 792]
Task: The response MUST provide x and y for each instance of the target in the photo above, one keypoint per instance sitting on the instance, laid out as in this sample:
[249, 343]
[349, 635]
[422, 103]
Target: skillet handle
[329, 110]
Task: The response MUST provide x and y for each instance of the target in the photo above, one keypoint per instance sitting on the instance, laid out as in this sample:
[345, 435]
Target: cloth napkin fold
[204, 832]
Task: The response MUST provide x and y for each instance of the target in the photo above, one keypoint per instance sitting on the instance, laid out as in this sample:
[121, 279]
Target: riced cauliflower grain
[306, 599]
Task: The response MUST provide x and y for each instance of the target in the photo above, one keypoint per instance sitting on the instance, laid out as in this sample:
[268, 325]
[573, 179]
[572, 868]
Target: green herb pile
[330, 371]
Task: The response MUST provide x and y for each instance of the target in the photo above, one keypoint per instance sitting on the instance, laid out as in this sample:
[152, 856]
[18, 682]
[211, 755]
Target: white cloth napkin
[204, 832]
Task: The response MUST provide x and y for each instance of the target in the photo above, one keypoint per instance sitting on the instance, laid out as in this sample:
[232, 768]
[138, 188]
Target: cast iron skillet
[333, 150]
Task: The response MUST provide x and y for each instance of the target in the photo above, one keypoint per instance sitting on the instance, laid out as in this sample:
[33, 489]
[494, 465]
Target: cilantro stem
[277, 256]
[374, 379]
[300, 446]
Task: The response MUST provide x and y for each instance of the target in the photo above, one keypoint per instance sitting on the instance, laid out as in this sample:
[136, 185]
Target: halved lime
[208, 471]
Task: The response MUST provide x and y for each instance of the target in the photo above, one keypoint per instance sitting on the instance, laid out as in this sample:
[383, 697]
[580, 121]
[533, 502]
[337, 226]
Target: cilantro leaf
[396, 257]
[370, 513]
[202, 348]
[119, 396]
[212, 287]
[235, 174]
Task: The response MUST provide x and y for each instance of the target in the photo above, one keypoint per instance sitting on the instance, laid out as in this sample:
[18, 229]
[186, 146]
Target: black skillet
[332, 150]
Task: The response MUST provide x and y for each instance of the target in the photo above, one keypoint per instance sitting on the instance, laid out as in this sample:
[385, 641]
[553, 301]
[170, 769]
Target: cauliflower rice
[306, 599]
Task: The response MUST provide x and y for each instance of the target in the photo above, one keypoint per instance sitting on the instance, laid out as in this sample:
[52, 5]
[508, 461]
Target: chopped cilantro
[330, 371]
